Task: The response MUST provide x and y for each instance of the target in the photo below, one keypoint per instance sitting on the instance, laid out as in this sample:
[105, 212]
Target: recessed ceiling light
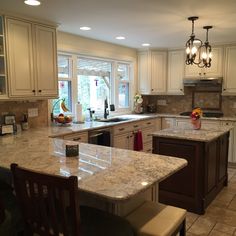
[120, 37]
[85, 28]
[145, 44]
[32, 2]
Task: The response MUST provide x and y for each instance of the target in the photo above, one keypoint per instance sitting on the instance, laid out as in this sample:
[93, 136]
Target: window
[90, 81]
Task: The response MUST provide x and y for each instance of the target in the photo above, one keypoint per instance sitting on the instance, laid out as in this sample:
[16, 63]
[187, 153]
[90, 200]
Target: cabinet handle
[149, 135]
[131, 136]
[152, 89]
[121, 129]
[199, 73]
[181, 89]
[149, 150]
[33, 90]
[204, 73]
[224, 89]
[127, 137]
[40, 90]
[135, 126]
[76, 139]
[148, 123]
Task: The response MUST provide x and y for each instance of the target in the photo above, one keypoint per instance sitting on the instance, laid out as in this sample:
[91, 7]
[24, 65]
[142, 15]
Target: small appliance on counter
[151, 108]
[8, 125]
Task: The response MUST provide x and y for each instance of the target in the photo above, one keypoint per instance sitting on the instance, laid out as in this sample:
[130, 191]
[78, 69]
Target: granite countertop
[111, 173]
[203, 135]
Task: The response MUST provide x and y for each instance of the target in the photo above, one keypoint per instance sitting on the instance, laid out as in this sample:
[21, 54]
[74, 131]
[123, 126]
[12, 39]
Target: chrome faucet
[106, 112]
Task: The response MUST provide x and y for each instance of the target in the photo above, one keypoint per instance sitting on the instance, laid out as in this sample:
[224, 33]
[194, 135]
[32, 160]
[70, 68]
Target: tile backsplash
[177, 104]
[18, 108]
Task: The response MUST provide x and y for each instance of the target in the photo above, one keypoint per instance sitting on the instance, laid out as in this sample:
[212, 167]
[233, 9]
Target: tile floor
[220, 216]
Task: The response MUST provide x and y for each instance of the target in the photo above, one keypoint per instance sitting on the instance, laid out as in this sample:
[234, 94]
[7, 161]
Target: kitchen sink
[115, 119]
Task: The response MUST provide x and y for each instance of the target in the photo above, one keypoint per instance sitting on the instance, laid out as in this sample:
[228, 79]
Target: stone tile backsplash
[177, 104]
[18, 108]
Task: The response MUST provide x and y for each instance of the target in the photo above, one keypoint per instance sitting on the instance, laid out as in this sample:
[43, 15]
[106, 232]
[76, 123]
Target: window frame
[114, 91]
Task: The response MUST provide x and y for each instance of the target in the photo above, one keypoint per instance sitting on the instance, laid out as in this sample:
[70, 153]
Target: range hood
[203, 81]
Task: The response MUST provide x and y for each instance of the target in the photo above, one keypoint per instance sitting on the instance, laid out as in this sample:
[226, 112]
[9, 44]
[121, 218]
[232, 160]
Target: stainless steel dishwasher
[100, 137]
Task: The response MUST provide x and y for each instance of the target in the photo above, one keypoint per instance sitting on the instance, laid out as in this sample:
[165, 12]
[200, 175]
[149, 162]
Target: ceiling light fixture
[120, 37]
[205, 50]
[32, 2]
[85, 28]
[192, 46]
[146, 44]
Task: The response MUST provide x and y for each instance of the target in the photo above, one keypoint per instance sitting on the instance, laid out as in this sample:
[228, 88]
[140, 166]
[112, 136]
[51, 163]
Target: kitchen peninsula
[206, 151]
[114, 175]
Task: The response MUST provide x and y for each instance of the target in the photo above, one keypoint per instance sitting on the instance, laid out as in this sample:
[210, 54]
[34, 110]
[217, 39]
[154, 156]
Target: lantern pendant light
[193, 46]
[206, 54]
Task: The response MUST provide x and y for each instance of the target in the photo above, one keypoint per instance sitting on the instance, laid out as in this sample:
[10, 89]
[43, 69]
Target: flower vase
[196, 124]
[138, 108]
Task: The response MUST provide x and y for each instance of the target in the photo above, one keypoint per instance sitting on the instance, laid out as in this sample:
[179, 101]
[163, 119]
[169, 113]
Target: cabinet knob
[40, 90]
[152, 89]
[224, 89]
[76, 139]
[181, 89]
[33, 90]
[204, 73]
[199, 73]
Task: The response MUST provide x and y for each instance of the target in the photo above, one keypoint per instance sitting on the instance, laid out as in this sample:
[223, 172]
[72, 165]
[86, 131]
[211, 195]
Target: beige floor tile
[190, 234]
[202, 226]
[218, 203]
[224, 228]
[218, 233]
[190, 219]
[232, 205]
[222, 215]
[225, 196]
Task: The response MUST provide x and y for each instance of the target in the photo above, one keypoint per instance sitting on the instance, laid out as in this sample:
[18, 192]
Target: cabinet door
[20, 58]
[175, 72]
[121, 141]
[230, 71]
[144, 73]
[158, 72]
[46, 75]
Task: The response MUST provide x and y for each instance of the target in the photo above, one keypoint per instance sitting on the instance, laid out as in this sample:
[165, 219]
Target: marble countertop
[111, 173]
[203, 135]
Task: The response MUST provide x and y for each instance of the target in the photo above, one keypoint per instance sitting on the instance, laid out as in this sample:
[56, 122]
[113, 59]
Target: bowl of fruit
[63, 119]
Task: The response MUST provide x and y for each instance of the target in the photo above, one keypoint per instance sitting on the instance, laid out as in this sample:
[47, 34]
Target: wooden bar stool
[152, 219]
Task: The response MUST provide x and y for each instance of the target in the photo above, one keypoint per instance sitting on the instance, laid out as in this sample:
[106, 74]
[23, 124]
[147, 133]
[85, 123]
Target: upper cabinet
[152, 72]
[229, 82]
[216, 68]
[31, 50]
[3, 72]
[175, 72]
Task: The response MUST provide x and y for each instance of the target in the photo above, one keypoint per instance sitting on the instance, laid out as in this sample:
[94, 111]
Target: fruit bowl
[63, 119]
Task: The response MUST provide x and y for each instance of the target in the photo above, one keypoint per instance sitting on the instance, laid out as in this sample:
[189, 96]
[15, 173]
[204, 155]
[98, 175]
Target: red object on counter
[138, 141]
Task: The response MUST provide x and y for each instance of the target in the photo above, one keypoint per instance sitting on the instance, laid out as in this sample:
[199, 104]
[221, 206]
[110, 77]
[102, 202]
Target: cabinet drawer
[147, 135]
[79, 137]
[149, 123]
[227, 123]
[124, 128]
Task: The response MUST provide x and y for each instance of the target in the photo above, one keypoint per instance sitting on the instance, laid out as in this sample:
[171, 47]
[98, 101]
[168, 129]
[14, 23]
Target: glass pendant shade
[205, 51]
[192, 46]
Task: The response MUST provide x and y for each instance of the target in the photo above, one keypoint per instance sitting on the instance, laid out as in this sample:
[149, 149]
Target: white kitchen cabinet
[152, 72]
[3, 71]
[175, 72]
[78, 137]
[216, 68]
[31, 50]
[229, 82]
[124, 141]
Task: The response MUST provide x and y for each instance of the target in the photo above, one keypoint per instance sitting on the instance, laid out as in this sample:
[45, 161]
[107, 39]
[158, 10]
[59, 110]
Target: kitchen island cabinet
[196, 185]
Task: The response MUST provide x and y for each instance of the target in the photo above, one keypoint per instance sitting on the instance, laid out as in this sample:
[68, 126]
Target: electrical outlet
[161, 102]
[234, 105]
[33, 112]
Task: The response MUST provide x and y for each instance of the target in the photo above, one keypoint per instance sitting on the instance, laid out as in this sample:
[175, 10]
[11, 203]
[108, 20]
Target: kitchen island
[206, 151]
[107, 176]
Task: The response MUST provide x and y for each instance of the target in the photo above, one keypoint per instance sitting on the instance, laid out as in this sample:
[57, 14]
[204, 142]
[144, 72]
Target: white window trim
[114, 97]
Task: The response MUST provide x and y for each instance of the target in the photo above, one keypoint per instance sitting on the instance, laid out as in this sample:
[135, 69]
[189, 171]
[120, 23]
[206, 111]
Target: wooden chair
[50, 206]
[152, 219]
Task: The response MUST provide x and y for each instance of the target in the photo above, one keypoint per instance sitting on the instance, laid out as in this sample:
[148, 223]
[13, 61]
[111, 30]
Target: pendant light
[193, 46]
[206, 54]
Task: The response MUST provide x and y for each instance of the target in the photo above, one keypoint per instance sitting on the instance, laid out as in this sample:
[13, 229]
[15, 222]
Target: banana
[63, 106]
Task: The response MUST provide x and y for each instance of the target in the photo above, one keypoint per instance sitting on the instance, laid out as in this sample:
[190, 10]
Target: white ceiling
[162, 23]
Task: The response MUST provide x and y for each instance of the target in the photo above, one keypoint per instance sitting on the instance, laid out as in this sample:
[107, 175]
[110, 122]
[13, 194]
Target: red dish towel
[138, 141]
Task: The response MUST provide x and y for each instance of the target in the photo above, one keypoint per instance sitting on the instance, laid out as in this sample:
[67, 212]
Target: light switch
[33, 112]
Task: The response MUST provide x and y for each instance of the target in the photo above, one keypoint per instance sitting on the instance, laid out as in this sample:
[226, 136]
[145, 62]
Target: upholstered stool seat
[152, 219]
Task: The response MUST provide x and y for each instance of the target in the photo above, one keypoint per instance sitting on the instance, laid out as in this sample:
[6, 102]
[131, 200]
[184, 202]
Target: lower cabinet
[195, 186]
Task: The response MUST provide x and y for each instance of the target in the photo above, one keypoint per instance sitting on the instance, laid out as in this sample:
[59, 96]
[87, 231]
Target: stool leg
[182, 231]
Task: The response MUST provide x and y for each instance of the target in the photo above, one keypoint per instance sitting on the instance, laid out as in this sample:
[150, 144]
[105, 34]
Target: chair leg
[182, 231]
